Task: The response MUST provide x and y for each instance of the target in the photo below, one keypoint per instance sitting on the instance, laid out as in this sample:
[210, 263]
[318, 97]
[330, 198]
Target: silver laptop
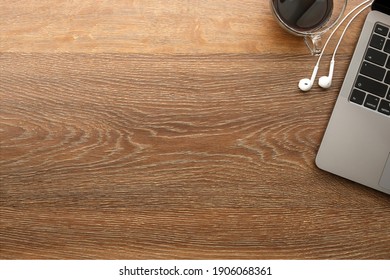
[356, 144]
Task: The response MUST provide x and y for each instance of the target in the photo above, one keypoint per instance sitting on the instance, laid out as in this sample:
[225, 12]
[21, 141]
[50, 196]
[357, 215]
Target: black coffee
[304, 15]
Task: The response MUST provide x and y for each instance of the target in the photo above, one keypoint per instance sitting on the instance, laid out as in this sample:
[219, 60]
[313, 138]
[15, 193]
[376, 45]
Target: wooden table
[170, 130]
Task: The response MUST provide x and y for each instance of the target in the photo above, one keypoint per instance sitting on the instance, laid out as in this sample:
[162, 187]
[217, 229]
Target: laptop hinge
[382, 6]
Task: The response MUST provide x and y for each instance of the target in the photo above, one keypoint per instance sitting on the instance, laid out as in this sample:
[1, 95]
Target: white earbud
[326, 81]
[306, 84]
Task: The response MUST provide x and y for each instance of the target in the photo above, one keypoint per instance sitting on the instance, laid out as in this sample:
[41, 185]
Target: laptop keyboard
[372, 86]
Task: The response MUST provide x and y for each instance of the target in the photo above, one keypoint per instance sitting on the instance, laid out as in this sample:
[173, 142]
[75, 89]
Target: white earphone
[306, 84]
[326, 81]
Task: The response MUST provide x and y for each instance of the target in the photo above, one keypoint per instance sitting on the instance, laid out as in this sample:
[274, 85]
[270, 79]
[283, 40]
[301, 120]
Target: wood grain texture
[170, 149]
[145, 26]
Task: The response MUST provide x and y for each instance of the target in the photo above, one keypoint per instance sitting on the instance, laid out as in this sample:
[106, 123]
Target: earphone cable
[345, 29]
[340, 23]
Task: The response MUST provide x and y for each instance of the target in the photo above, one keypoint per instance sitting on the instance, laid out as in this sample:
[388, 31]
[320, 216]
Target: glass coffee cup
[310, 19]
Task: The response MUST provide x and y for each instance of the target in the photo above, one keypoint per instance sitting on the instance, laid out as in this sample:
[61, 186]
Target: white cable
[339, 24]
[326, 81]
[345, 29]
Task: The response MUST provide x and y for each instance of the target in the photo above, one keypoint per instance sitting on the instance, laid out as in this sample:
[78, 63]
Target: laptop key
[377, 41]
[387, 46]
[371, 86]
[376, 57]
[384, 107]
[382, 30]
[373, 71]
[371, 102]
[357, 96]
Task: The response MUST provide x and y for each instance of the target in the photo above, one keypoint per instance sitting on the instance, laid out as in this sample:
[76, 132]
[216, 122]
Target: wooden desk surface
[170, 130]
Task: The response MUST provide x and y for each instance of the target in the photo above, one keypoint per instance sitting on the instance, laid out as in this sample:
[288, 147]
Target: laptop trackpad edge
[385, 178]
